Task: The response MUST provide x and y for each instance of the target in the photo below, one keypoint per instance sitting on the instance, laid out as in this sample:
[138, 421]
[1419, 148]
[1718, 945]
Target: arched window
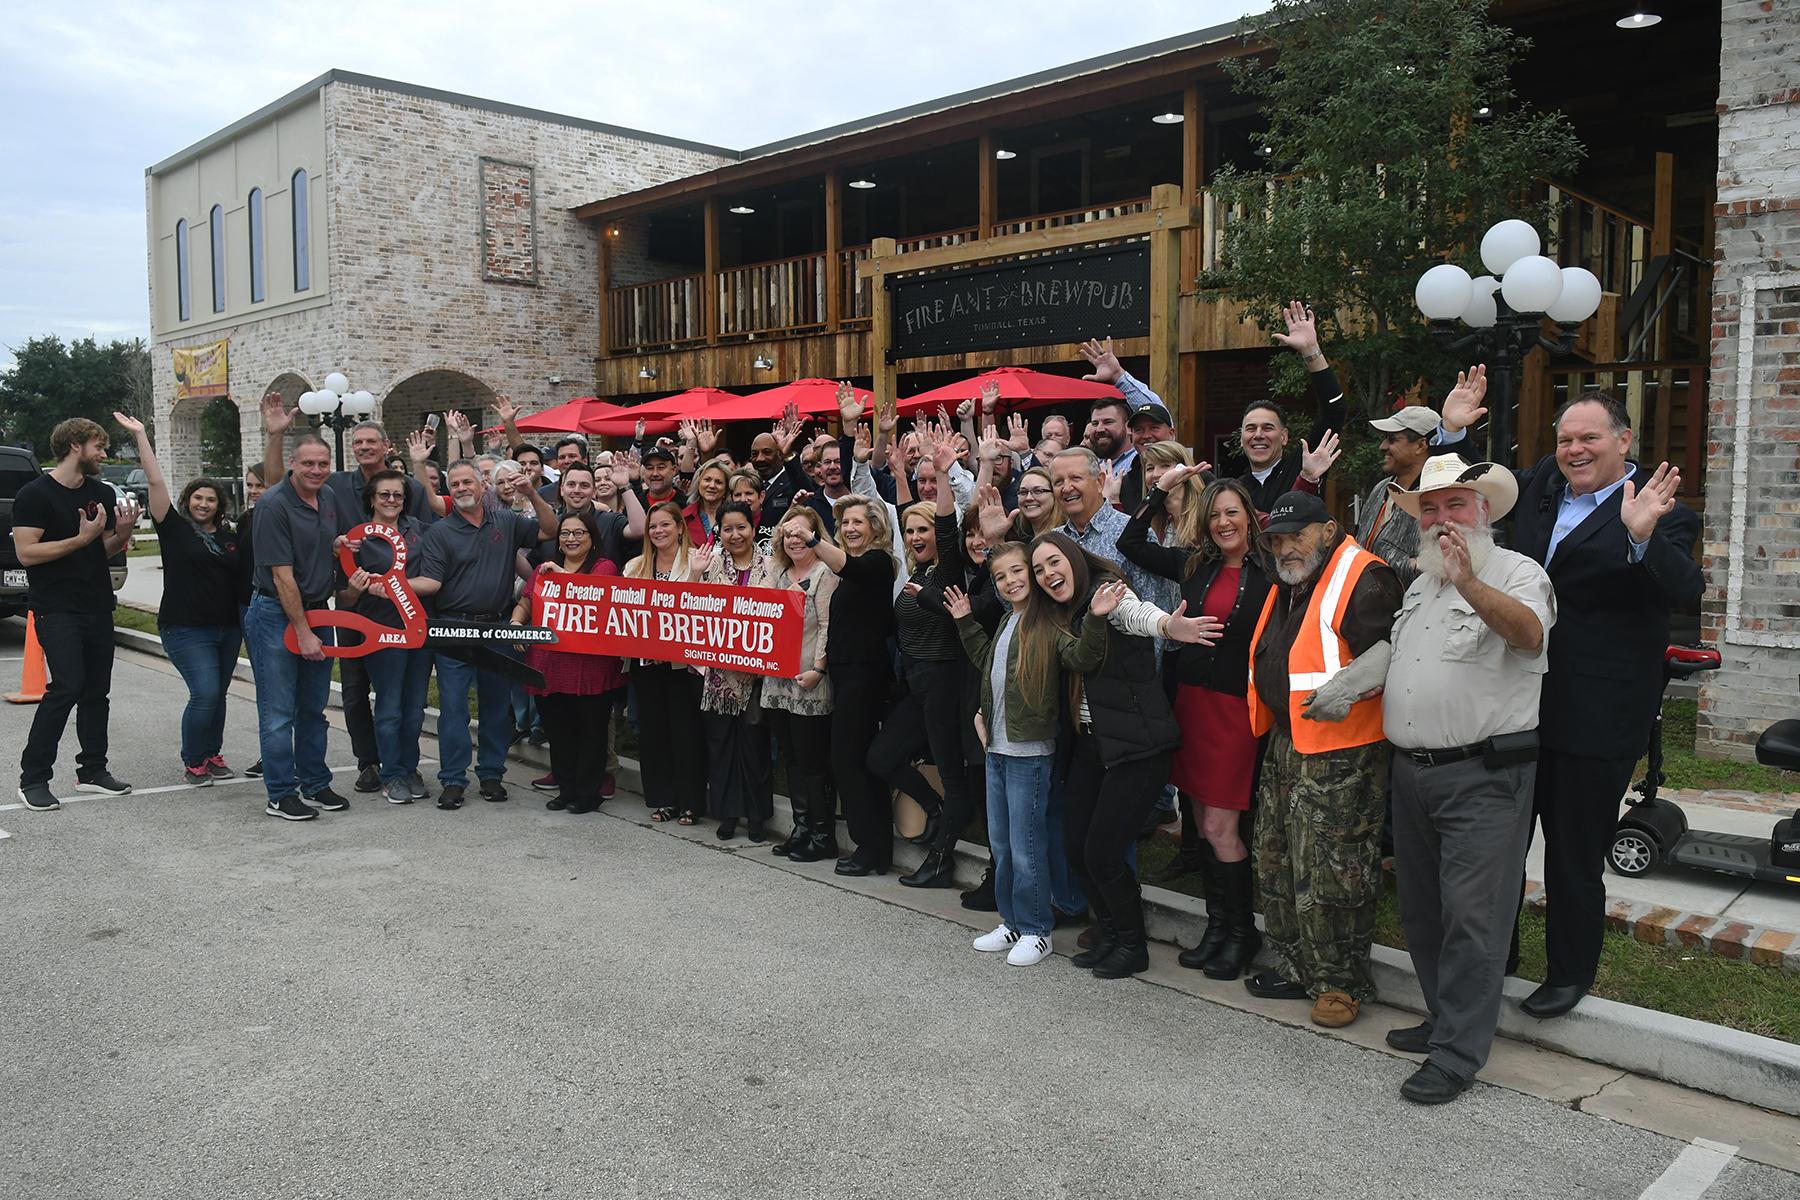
[258, 291]
[302, 231]
[216, 228]
[182, 293]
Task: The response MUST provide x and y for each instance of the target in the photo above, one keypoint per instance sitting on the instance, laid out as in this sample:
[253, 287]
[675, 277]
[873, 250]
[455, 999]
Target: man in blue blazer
[1619, 550]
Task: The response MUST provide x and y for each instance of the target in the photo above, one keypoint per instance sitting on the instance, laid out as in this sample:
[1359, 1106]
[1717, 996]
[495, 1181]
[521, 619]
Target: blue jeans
[401, 678]
[1065, 893]
[455, 680]
[205, 655]
[1019, 837]
[291, 695]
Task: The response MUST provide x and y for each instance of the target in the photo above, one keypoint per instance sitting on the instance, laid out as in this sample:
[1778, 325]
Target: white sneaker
[1000, 938]
[1029, 952]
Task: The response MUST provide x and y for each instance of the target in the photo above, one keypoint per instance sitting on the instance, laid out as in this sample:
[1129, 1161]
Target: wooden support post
[1189, 411]
[985, 186]
[884, 377]
[834, 252]
[1193, 177]
[606, 241]
[711, 224]
[1165, 292]
[1662, 242]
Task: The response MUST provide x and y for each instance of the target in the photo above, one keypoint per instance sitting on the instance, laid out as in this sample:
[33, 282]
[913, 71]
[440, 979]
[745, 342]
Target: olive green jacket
[1029, 718]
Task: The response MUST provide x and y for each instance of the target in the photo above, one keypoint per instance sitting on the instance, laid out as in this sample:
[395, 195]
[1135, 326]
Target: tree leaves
[51, 382]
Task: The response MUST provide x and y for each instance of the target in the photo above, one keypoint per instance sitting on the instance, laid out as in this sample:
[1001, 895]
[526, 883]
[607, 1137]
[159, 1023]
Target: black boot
[1128, 957]
[1242, 939]
[1217, 923]
[980, 898]
[1104, 945]
[938, 870]
[928, 836]
[801, 835]
[818, 846]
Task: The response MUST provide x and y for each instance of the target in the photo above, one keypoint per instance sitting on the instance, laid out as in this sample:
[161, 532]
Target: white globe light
[1501, 246]
[309, 403]
[1442, 292]
[1481, 313]
[359, 403]
[1532, 284]
[335, 382]
[1580, 297]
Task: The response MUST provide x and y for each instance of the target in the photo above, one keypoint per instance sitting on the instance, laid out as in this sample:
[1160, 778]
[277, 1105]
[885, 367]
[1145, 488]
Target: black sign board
[1039, 302]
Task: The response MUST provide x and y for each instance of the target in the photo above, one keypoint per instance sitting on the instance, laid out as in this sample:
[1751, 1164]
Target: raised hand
[1314, 462]
[1171, 478]
[706, 436]
[703, 559]
[131, 425]
[1458, 568]
[787, 430]
[1641, 508]
[944, 453]
[1110, 483]
[1100, 356]
[990, 398]
[277, 416]
[1462, 407]
[634, 466]
[1302, 336]
[505, 409]
[418, 445]
[887, 417]
[637, 432]
[1018, 434]
[848, 406]
[956, 603]
[996, 523]
[865, 443]
[1180, 627]
[458, 421]
[965, 411]
[619, 469]
[1107, 597]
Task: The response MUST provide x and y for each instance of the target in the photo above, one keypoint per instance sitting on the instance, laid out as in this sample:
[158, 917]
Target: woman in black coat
[1222, 575]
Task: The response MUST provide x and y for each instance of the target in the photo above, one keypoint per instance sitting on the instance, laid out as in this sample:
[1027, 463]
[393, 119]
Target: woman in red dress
[1222, 574]
[577, 697]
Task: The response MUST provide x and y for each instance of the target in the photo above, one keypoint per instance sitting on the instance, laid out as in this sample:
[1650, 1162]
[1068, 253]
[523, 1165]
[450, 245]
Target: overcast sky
[95, 93]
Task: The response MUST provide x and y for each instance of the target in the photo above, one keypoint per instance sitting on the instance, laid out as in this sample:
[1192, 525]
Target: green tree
[51, 381]
[221, 451]
[1394, 140]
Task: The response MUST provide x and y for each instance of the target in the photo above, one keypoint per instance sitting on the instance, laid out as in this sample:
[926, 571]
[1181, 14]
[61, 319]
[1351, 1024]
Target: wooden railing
[1667, 401]
[784, 296]
[856, 291]
[668, 312]
[1073, 216]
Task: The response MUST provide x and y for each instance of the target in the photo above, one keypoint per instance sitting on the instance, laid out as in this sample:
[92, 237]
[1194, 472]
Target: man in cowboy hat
[1461, 711]
[1318, 659]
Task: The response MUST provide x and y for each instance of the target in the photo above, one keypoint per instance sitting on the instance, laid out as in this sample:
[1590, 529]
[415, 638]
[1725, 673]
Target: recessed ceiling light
[1168, 118]
[862, 184]
[1264, 151]
[742, 210]
[1638, 20]
[1003, 155]
[1483, 111]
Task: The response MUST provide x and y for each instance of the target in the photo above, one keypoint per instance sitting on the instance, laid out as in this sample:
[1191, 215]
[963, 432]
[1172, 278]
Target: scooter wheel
[1633, 853]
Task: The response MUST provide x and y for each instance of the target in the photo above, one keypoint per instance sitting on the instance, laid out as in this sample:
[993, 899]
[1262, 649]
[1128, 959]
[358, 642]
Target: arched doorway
[441, 391]
[180, 451]
[289, 385]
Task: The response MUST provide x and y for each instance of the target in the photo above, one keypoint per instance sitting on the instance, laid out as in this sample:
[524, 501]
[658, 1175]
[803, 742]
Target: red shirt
[565, 671]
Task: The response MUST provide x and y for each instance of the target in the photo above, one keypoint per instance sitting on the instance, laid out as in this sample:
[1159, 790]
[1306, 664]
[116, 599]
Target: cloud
[96, 94]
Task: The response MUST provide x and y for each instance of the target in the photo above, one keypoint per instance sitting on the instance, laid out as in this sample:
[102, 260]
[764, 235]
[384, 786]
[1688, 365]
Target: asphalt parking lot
[508, 1002]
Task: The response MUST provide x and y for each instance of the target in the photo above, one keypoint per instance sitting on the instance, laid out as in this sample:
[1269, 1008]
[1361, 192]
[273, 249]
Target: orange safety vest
[1318, 653]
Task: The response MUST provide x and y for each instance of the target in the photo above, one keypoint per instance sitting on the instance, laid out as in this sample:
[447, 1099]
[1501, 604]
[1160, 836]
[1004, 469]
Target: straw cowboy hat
[1442, 471]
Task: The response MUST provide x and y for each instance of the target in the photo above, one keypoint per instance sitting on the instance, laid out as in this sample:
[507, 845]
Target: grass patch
[125, 617]
[144, 550]
[1686, 769]
[1670, 979]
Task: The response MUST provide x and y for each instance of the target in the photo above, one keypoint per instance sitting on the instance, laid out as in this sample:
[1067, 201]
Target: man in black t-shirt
[65, 527]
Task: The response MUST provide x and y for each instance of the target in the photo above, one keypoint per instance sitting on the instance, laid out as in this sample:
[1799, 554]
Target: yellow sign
[200, 371]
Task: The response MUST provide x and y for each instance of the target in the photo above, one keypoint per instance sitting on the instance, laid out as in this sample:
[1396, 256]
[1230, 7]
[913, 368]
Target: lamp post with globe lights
[337, 408]
[1504, 314]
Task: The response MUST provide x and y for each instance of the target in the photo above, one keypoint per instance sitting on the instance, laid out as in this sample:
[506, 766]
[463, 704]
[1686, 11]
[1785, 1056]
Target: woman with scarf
[740, 785]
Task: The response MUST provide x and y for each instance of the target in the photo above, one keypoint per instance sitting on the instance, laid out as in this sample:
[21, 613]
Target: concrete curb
[1727, 1062]
[1660, 925]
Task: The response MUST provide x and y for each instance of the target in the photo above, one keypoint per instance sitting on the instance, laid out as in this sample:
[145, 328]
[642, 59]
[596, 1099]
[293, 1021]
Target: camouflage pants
[1318, 865]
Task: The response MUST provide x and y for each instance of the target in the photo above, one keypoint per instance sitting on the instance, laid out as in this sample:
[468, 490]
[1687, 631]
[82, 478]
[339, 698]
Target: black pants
[576, 727]
[359, 716]
[78, 651]
[858, 694]
[1577, 800]
[1106, 808]
[805, 747]
[671, 745]
[928, 717]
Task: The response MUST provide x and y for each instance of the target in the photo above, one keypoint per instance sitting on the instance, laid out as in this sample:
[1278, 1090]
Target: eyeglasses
[390, 495]
[572, 535]
[1034, 491]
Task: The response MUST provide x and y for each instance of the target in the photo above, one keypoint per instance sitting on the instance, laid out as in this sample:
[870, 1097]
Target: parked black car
[17, 468]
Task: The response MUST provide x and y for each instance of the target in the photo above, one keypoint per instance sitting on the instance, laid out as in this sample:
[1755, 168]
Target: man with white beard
[1461, 711]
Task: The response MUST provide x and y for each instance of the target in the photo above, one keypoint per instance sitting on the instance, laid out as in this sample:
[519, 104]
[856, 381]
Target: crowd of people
[1066, 635]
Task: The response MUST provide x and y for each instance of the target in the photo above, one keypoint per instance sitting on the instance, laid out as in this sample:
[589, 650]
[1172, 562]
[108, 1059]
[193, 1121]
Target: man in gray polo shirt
[297, 521]
[1382, 526]
[1461, 710]
[466, 570]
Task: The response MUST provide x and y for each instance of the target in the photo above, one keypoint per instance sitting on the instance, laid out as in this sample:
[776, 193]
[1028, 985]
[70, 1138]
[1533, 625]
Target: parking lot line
[1692, 1172]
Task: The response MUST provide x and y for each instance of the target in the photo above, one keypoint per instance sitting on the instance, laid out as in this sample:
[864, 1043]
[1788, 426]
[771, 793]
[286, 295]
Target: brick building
[417, 240]
[1752, 543]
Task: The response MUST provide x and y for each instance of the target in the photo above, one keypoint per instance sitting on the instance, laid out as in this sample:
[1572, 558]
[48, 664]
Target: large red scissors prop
[390, 583]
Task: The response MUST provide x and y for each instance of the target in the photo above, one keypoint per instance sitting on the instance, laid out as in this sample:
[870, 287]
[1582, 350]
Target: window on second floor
[258, 280]
[302, 231]
[216, 230]
[182, 292]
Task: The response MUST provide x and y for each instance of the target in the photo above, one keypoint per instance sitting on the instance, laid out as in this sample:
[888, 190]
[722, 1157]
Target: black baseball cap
[657, 450]
[1156, 412]
[1294, 511]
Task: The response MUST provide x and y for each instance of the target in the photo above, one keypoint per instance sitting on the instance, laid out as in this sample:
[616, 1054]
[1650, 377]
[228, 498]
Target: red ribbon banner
[758, 630]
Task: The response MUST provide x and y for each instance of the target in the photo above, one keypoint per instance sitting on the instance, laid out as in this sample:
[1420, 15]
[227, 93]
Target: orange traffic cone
[34, 676]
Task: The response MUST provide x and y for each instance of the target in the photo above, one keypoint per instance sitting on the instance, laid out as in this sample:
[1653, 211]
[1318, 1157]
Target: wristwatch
[814, 540]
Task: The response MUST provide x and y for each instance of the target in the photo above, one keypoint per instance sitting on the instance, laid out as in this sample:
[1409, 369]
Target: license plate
[13, 579]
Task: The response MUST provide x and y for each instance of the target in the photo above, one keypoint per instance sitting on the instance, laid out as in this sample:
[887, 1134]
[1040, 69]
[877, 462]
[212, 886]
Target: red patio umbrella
[567, 418]
[660, 416]
[814, 396]
[1020, 388]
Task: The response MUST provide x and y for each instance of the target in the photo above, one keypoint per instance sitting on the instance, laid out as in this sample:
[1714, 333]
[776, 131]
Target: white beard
[1431, 556]
[1306, 571]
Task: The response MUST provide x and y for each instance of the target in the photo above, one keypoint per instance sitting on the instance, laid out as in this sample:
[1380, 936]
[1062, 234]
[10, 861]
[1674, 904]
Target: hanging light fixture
[742, 210]
[1003, 155]
[863, 184]
[1638, 19]
[1168, 118]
